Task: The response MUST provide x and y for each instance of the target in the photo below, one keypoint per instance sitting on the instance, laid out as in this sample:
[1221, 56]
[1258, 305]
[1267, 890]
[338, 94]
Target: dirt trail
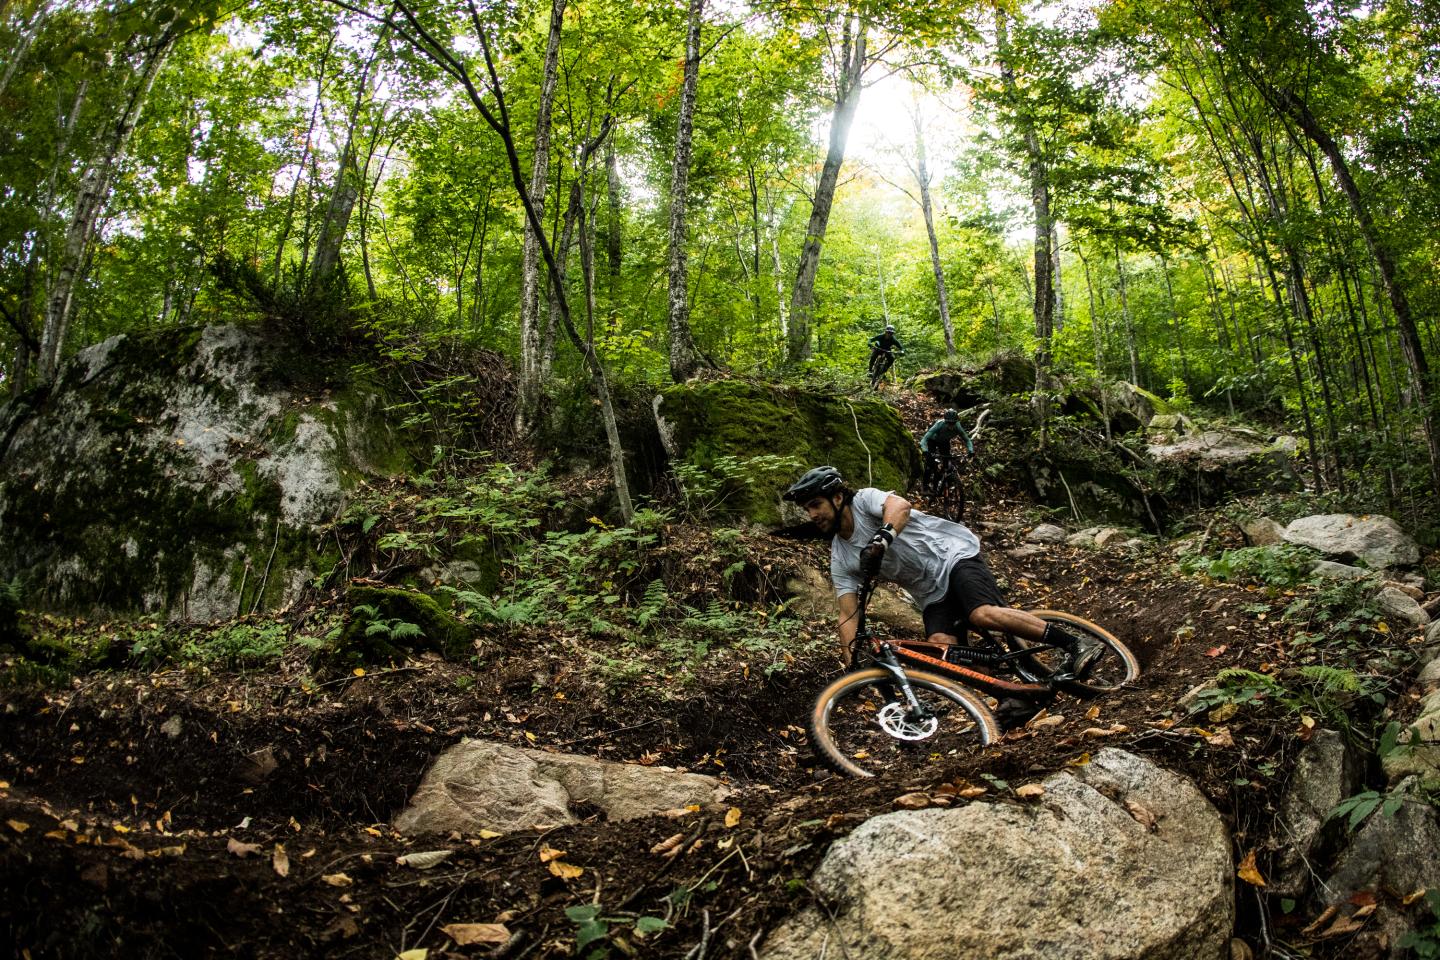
[125, 794]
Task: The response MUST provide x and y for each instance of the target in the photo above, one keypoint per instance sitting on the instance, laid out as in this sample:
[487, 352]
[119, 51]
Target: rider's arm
[931, 435]
[896, 512]
[968, 445]
[849, 606]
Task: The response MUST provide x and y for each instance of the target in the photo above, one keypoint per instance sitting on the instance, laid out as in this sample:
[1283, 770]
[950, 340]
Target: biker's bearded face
[825, 514]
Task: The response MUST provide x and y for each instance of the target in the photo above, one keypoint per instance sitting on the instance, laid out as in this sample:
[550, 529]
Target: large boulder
[476, 785]
[967, 386]
[1225, 461]
[181, 472]
[1119, 859]
[1377, 541]
[1327, 772]
[744, 442]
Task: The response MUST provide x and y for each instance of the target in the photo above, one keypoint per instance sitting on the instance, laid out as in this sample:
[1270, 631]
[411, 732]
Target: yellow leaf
[280, 860]
[489, 834]
[419, 953]
[1030, 791]
[566, 871]
[337, 879]
[465, 934]
[1079, 761]
[1248, 872]
[529, 736]
[732, 816]
[120, 828]
[548, 853]
[19, 826]
[1382, 627]
[373, 832]
[358, 672]
[1223, 712]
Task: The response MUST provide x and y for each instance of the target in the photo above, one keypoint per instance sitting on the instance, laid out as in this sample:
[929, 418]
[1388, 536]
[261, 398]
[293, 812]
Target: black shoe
[1013, 713]
[1080, 652]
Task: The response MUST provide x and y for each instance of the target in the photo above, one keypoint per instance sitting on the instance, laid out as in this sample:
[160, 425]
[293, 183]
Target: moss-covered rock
[970, 385]
[182, 472]
[717, 425]
[385, 624]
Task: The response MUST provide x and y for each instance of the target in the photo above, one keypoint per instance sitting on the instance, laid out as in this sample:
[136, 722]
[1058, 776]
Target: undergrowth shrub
[1282, 565]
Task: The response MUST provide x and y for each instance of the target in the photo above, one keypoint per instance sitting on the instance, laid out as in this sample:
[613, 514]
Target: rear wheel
[1116, 667]
[861, 725]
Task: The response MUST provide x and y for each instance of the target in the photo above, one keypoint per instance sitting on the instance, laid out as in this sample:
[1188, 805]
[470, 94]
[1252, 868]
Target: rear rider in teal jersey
[935, 445]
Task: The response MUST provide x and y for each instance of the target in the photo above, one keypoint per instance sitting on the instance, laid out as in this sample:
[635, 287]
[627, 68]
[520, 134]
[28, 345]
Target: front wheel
[952, 498]
[1116, 667]
[861, 724]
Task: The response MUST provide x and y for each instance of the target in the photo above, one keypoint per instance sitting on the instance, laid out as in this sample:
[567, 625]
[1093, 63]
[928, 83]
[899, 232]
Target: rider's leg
[932, 474]
[1082, 652]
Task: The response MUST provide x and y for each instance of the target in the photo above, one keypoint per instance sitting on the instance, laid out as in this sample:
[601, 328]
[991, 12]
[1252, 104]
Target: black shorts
[971, 585]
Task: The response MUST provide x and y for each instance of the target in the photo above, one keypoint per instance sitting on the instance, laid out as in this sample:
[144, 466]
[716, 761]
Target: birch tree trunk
[802, 296]
[684, 357]
[94, 194]
[532, 337]
[922, 175]
[348, 182]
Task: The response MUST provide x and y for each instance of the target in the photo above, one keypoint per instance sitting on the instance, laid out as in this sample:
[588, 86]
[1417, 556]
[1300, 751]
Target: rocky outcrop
[742, 443]
[1377, 541]
[1119, 859]
[181, 472]
[1232, 459]
[1326, 773]
[476, 785]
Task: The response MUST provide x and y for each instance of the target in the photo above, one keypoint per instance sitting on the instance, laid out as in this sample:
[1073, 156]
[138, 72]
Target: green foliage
[236, 645]
[1319, 691]
[1425, 939]
[595, 932]
[706, 489]
[1281, 565]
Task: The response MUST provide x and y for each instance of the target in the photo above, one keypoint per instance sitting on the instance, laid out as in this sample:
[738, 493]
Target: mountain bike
[911, 708]
[950, 490]
[880, 362]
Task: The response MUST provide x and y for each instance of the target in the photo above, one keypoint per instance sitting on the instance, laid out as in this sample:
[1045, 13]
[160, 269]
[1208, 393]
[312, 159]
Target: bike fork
[903, 682]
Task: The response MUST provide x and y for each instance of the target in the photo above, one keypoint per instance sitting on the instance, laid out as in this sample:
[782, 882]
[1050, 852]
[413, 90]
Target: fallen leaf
[280, 860]
[1079, 761]
[1030, 791]
[19, 826]
[489, 834]
[1216, 651]
[424, 860]
[970, 793]
[465, 934]
[565, 871]
[1039, 723]
[358, 672]
[548, 853]
[1223, 712]
[1093, 713]
[1143, 815]
[732, 817]
[419, 953]
[242, 849]
[913, 801]
[1221, 738]
[1248, 871]
[1412, 896]
[669, 846]
[1321, 920]
[337, 879]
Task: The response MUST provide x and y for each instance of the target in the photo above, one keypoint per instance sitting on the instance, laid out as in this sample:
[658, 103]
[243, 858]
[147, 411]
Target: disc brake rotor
[896, 721]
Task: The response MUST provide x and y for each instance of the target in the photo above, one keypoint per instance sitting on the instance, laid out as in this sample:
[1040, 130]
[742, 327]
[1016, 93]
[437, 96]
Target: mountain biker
[935, 445]
[883, 347]
[876, 533]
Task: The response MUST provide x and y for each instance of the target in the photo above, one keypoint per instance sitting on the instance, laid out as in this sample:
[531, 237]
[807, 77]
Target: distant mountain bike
[881, 360]
[910, 708]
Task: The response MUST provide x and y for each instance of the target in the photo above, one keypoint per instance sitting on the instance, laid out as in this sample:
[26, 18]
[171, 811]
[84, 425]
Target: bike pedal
[1056, 678]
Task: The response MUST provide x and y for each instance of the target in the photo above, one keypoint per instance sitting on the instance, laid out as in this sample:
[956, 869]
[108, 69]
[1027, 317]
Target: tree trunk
[802, 296]
[532, 363]
[615, 228]
[348, 183]
[94, 194]
[1044, 226]
[1415, 360]
[923, 176]
[684, 356]
[1125, 315]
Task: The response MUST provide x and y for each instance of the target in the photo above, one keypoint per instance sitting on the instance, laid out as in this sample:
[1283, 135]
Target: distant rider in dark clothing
[935, 445]
[883, 347]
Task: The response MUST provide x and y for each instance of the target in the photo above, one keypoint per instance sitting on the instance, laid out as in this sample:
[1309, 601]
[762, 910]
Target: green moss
[865, 439]
[360, 641]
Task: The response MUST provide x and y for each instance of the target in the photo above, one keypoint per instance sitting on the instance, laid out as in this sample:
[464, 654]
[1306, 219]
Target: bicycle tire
[952, 498]
[1116, 668]
[847, 732]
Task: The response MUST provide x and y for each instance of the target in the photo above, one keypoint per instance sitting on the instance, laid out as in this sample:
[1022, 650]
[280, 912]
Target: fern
[1334, 679]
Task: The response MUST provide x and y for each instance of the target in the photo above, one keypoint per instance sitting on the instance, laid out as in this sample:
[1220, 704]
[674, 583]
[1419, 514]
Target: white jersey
[920, 558]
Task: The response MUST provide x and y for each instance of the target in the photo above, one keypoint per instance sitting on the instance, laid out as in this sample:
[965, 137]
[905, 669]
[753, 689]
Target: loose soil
[141, 814]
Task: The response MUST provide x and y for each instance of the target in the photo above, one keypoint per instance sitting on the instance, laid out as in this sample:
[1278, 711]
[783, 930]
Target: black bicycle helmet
[952, 415]
[819, 482]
